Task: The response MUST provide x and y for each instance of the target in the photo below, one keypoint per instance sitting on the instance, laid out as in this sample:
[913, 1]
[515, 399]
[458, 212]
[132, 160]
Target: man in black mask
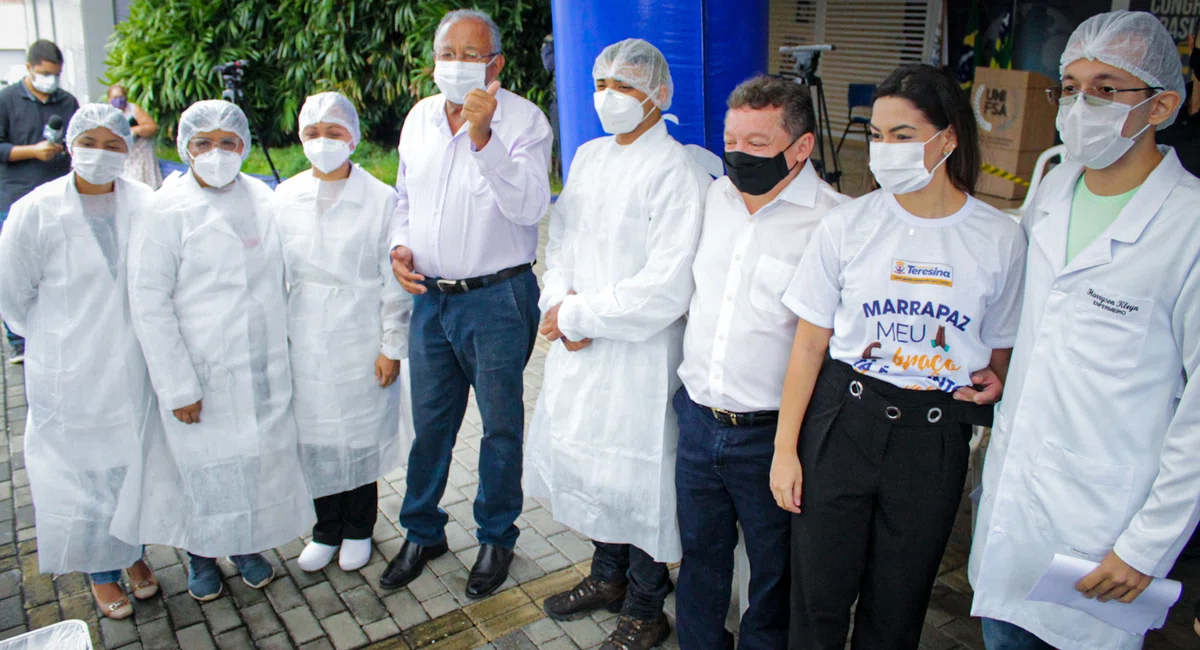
[757, 222]
[1184, 135]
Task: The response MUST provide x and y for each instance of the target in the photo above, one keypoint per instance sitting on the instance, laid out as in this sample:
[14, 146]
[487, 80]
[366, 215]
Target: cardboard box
[1020, 163]
[1012, 110]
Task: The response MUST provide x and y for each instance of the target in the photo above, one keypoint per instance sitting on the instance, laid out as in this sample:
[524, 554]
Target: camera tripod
[806, 58]
[233, 74]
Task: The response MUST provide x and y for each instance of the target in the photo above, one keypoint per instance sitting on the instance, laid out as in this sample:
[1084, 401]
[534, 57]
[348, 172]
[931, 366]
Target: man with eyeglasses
[472, 185]
[1093, 454]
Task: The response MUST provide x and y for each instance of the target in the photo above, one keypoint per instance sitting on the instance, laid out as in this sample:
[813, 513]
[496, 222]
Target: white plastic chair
[1039, 171]
[66, 635]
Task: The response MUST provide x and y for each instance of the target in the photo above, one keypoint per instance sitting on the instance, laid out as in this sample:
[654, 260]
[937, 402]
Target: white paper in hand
[1147, 612]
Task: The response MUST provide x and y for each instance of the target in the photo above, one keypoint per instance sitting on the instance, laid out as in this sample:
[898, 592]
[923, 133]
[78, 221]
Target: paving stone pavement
[335, 610]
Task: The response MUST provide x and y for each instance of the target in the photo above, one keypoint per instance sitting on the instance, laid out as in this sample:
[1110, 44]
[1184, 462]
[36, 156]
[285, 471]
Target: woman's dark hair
[937, 95]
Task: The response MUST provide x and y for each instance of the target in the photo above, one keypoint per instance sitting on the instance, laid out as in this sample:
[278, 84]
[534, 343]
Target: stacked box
[1016, 124]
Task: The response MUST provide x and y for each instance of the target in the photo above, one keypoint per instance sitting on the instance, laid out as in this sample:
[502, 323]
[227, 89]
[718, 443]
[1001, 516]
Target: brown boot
[635, 634]
[585, 598]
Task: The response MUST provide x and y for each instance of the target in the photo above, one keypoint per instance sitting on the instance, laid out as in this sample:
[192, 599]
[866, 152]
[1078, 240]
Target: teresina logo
[922, 273]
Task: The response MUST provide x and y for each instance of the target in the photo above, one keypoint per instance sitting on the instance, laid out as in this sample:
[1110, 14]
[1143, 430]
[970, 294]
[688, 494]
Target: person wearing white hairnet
[471, 188]
[1093, 453]
[348, 328]
[63, 287]
[618, 280]
[206, 289]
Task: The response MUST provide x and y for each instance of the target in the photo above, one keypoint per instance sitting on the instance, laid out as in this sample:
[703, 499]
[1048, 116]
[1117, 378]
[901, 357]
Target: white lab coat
[208, 301]
[1095, 443]
[344, 309]
[602, 442]
[89, 396]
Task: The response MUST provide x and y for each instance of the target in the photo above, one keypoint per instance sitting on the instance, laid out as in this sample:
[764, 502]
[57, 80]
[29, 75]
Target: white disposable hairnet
[639, 64]
[212, 115]
[1134, 41]
[94, 116]
[333, 108]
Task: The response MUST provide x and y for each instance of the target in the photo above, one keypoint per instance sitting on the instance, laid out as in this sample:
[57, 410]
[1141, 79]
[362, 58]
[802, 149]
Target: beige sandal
[118, 609]
[145, 589]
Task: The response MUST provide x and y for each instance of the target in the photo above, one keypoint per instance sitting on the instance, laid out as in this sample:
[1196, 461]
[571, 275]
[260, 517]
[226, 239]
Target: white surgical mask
[1092, 134]
[97, 166]
[619, 113]
[45, 83]
[899, 167]
[327, 154]
[456, 79]
[218, 167]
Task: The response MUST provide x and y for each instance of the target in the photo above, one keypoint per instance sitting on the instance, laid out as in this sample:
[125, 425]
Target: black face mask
[756, 175]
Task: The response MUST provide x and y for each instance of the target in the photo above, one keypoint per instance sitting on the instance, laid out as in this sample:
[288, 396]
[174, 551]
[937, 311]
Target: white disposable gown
[344, 309]
[1095, 444]
[63, 287]
[602, 443]
[207, 295]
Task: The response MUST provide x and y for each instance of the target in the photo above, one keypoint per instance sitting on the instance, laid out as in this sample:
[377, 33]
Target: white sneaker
[316, 556]
[355, 554]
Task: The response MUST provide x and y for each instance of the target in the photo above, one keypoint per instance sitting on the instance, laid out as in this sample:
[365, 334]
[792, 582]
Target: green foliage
[379, 53]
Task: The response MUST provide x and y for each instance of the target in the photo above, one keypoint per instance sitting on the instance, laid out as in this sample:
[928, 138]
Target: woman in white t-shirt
[902, 295]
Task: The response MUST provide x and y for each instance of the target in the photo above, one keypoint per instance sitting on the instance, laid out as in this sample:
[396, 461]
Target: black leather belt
[471, 284]
[894, 404]
[755, 419]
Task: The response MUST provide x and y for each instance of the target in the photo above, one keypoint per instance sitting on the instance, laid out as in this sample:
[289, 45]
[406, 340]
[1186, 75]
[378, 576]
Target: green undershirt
[1091, 215]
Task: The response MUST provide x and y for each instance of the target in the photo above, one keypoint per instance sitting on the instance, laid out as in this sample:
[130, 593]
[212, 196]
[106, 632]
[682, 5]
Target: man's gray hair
[474, 14]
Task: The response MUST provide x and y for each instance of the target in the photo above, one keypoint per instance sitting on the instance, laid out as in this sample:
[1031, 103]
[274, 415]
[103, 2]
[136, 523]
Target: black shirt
[1184, 135]
[22, 119]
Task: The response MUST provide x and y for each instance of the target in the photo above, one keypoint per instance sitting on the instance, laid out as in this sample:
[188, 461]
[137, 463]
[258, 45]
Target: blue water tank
[710, 45]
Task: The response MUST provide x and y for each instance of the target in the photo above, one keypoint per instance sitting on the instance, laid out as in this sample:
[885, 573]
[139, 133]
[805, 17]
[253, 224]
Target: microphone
[54, 130]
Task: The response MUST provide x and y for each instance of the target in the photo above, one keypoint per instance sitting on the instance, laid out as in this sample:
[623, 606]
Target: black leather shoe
[489, 572]
[409, 562]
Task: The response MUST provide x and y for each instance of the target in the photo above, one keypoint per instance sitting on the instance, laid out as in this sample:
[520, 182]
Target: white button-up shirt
[739, 333]
[467, 213]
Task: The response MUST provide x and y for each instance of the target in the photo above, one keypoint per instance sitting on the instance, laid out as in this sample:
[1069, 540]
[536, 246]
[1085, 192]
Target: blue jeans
[1002, 635]
[481, 339]
[722, 477]
[108, 577]
[15, 340]
[105, 577]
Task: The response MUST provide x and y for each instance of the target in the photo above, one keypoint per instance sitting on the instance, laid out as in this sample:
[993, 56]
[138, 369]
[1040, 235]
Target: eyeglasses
[468, 57]
[204, 145]
[1066, 94]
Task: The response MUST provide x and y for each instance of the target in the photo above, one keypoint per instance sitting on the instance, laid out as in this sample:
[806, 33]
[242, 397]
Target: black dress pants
[878, 502]
[346, 515]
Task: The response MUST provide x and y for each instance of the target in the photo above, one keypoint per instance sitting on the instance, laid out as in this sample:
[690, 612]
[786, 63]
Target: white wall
[12, 16]
[81, 29]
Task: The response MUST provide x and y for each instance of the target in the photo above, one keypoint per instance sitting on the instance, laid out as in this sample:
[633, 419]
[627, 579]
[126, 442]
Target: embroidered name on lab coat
[1115, 306]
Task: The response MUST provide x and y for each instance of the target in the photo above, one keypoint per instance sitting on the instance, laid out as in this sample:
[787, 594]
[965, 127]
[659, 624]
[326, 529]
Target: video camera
[805, 58]
[233, 74]
[233, 68]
